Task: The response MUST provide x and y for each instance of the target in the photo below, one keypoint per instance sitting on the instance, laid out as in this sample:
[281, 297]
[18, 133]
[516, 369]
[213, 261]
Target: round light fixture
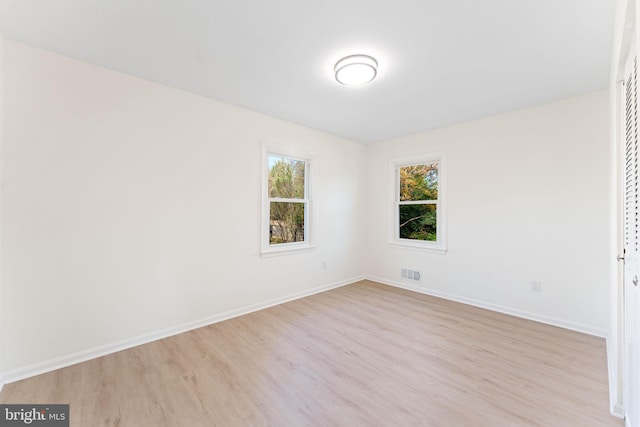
[356, 70]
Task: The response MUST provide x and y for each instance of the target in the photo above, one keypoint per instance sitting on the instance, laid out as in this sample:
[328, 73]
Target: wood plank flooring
[361, 355]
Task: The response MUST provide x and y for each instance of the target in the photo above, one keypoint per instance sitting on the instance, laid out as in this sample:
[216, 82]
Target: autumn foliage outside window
[288, 203]
[418, 202]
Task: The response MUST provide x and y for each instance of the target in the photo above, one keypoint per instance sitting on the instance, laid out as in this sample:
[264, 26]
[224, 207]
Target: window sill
[418, 247]
[288, 250]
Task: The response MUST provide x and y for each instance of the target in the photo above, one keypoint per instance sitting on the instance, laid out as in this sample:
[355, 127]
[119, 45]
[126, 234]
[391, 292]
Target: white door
[631, 383]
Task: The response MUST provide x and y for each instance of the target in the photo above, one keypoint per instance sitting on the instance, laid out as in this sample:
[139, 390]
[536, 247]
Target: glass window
[286, 203]
[418, 199]
[418, 217]
[287, 200]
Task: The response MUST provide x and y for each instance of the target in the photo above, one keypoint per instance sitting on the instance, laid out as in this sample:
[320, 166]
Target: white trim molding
[93, 353]
[553, 321]
[289, 153]
[440, 244]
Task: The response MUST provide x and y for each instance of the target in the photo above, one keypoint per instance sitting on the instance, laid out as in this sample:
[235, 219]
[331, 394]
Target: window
[418, 217]
[286, 205]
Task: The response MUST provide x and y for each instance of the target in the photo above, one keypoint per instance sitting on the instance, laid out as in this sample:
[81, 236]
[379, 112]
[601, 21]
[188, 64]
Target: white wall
[615, 346]
[1, 149]
[130, 207]
[528, 199]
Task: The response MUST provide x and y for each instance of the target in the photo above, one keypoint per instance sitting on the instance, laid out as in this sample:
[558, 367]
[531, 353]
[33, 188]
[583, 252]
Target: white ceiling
[441, 61]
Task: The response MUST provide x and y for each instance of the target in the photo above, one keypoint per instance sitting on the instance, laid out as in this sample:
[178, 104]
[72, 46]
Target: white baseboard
[92, 353]
[495, 307]
[616, 408]
[82, 356]
[618, 411]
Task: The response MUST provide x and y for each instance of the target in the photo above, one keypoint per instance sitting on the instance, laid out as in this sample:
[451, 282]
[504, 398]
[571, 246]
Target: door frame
[626, 33]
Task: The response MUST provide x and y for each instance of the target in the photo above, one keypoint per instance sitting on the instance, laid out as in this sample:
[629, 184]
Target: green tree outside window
[287, 200]
[418, 198]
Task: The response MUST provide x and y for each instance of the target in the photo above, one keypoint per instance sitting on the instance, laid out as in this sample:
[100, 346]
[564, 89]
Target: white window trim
[440, 245]
[267, 249]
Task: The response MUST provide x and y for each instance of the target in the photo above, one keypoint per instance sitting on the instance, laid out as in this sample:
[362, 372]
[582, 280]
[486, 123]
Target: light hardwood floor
[361, 355]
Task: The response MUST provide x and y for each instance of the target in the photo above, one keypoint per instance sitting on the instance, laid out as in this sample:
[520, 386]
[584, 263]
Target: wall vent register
[411, 275]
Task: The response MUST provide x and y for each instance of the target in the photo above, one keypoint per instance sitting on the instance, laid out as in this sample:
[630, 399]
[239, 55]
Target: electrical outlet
[324, 265]
[536, 286]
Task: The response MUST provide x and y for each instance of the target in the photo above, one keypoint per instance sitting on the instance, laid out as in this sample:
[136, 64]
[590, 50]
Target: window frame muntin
[440, 245]
[266, 248]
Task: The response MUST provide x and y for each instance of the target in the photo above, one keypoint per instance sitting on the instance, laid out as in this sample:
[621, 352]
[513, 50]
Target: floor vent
[411, 275]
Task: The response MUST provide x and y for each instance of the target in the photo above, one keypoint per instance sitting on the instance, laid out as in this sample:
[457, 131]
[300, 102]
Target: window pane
[286, 222]
[286, 177]
[419, 182]
[418, 222]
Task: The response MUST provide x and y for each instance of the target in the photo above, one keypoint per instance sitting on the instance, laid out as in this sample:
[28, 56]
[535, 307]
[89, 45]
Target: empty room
[336, 213]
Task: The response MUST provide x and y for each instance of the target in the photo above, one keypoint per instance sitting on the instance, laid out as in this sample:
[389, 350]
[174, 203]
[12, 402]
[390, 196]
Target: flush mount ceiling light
[356, 70]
